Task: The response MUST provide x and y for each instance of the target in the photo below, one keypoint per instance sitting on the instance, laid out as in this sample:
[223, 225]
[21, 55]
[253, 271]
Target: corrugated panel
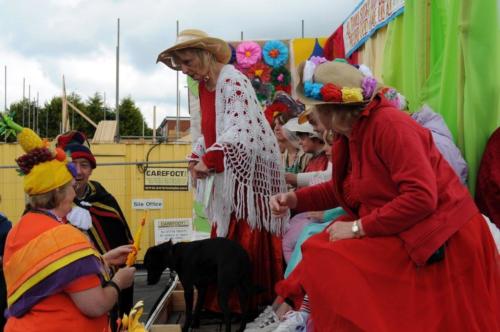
[124, 182]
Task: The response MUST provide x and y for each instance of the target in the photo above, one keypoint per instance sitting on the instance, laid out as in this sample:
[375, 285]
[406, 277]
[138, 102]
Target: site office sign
[166, 178]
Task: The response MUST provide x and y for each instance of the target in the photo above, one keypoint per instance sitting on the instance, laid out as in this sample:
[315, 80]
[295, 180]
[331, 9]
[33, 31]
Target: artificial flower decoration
[274, 110]
[247, 54]
[275, 53]
[308, 72]
[284, 88]
[395, 98]
[317, 60]
[365, 70]
[352, 95]
[331, 93]
[280, 76]
[368, 85]
[261, 71]
[313, 90]
[310, 66]
[264, 91]
[390, 94]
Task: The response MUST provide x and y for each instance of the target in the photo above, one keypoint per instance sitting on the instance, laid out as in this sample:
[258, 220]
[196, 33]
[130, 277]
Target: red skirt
[370, 284]
[266, 255]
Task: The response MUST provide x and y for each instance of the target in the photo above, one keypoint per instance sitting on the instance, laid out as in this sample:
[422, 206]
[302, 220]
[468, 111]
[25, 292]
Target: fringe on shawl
[252, 169]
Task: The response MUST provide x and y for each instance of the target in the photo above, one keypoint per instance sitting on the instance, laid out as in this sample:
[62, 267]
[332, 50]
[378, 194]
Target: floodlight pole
[5, 91]
[178, 103]
[24, 96]
[117, 100]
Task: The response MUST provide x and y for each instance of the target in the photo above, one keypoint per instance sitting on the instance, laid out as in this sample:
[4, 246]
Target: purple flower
[72, 169]
[368, 86]
[317, 60]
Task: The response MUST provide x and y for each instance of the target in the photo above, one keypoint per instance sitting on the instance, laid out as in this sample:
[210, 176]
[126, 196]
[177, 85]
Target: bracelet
[115, 286]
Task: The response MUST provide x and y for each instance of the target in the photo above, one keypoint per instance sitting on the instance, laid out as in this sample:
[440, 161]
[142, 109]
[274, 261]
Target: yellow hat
[47, 176]
[43, 170]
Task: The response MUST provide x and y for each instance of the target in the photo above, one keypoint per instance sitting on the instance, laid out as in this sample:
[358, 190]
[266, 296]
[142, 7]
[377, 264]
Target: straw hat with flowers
[334, 82]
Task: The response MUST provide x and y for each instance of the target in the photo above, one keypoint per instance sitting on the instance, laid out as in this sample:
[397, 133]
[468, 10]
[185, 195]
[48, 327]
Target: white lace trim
[252, 168]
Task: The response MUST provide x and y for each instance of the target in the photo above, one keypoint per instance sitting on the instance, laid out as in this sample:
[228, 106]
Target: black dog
[216, 261]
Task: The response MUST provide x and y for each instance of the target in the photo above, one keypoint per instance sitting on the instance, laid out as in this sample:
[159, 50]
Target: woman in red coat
[413, 253]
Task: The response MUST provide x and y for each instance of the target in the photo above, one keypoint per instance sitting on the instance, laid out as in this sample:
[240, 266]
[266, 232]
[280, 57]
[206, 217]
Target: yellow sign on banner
[166, 178]
[367, 18]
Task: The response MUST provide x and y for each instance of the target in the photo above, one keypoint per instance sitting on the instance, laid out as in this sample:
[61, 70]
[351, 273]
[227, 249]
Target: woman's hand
[118, 255]
[341, 230]
[281, 203]
[201, 171]
[191, 170]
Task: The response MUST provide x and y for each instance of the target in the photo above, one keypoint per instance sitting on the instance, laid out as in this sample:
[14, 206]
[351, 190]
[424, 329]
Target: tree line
[47, 120]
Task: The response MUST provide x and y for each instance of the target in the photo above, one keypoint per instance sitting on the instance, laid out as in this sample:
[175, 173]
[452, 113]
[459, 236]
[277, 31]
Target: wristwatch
[356, 230]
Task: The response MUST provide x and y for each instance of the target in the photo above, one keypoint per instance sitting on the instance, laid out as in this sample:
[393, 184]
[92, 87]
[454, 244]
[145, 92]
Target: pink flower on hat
[248, 53]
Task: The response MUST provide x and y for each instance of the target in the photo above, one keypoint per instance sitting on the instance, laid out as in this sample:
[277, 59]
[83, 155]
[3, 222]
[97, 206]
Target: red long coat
[410, 202]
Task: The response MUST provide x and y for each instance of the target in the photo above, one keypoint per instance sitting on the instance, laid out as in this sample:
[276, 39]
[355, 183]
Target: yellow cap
[47, 176]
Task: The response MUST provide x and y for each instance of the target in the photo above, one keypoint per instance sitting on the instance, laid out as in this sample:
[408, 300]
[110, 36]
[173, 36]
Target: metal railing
[130, 163]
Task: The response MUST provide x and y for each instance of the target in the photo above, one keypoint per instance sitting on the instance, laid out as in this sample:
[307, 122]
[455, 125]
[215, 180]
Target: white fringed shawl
[252, 166]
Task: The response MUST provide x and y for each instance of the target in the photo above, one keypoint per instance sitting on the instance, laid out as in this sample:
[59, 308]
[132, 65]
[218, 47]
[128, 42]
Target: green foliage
[46, 120]
[130, 118]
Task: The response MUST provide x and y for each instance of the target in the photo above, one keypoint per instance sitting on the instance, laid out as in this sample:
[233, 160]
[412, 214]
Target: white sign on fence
[147, 204]
[177, 230]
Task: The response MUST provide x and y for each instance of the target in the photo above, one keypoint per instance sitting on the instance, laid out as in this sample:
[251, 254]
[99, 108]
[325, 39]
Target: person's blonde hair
[48, 200]
[207, 59]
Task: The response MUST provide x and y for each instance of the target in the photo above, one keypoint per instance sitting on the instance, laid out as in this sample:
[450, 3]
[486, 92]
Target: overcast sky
[43, 40]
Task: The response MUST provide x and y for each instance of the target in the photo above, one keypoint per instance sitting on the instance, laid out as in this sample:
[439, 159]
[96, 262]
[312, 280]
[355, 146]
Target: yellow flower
[352, 95]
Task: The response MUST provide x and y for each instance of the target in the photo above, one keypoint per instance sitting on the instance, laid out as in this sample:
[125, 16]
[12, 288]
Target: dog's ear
[170, 241]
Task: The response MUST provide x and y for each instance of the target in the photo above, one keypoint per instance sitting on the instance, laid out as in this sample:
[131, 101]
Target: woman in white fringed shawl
[237, 160]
